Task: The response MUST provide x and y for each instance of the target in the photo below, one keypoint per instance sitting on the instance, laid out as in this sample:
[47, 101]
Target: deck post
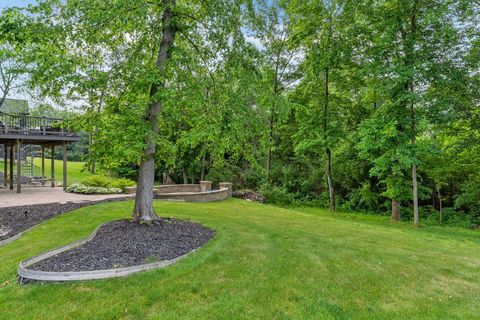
[64, 166]
[5, 165]
[43, 165]
[19, 167]
[53, 166]
[11, 166]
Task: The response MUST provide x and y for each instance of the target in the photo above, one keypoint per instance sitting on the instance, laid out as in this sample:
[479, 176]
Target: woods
[366, 106]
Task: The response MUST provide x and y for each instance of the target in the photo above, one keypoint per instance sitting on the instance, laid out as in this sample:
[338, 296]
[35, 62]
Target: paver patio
[43, 195]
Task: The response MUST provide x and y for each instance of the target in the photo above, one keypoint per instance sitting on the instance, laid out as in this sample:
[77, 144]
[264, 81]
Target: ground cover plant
[264, 262]
[80, 188]
[100, 184]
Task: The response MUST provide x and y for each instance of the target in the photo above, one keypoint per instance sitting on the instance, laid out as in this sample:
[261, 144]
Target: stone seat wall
[190, 192]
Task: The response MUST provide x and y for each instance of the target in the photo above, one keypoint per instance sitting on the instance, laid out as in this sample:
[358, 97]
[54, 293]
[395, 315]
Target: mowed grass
[264, 263]
[75, 170]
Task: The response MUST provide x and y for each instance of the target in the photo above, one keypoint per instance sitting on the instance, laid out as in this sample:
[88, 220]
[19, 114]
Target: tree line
[369, 105]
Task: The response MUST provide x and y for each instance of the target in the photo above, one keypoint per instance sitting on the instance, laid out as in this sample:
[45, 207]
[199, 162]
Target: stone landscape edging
[15, 237]
[25, 273]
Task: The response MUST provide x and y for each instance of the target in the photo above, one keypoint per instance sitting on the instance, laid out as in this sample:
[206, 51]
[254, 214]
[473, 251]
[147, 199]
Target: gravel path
[124, 244]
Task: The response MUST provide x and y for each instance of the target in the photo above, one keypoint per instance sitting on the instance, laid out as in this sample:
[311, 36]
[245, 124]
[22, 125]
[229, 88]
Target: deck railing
[24, 124]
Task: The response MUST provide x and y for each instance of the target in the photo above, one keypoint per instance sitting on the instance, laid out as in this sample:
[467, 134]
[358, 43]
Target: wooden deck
[17, 129]
[34, 130]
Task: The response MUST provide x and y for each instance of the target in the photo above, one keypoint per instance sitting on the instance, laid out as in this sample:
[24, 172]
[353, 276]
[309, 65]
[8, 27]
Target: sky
[15, 3]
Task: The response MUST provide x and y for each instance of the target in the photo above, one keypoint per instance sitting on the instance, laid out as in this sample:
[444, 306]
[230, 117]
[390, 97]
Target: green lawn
[264, 263]
[75, 170]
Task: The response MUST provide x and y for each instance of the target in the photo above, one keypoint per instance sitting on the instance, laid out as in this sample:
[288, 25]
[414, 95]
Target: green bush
[122, 183]
[277, 195]
[80, 188]
[97, 181]
[450, 217]
[100, 181]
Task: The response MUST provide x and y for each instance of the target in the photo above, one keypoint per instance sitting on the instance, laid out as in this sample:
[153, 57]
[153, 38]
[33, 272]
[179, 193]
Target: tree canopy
[354, 105]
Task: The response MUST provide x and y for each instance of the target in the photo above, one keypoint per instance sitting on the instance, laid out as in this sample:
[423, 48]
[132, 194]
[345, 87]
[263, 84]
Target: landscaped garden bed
[15, 220]
[122, 243]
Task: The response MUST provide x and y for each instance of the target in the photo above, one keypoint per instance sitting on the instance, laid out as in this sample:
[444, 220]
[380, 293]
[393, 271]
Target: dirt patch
[249, 195]
[123, 244]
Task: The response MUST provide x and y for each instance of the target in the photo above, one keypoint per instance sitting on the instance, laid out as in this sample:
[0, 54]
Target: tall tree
[323, 30]
[12, 42]
[143, 210]
[408, 57]
[280, 70]
[133, 47]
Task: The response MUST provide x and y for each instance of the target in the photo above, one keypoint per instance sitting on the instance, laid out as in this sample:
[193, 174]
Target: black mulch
[14, 220]
[124, 244]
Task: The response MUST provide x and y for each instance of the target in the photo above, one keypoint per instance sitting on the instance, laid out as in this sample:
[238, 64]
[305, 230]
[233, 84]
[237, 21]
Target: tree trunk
[331, 191]
[2, 100]
[185, 175]
[409, 62]
[270, 142]
[89, 164]
[202, 166]
[395, 210]
[440, 204]
[5, 93]
[92, 162]
[415, 194]
[143, 210]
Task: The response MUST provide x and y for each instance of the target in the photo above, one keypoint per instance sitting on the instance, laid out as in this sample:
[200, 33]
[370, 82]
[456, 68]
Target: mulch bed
[14, 220]
[123, 244]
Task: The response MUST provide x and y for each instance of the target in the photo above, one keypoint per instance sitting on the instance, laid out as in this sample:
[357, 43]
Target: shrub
[122, 183]
[97, 181]
[451, 217]
[80, 188]
[100, 181]
[277, 195]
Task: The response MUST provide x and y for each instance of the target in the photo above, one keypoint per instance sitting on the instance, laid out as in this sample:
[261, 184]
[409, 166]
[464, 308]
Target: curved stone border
[15, 237]
[18, 235]
[26, 273]
[207, 196]
[169, 188]
[190, 192]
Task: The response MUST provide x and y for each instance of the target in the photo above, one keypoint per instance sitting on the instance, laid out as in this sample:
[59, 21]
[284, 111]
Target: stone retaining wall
[209, 196]
[190, 192]
[170, 188]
